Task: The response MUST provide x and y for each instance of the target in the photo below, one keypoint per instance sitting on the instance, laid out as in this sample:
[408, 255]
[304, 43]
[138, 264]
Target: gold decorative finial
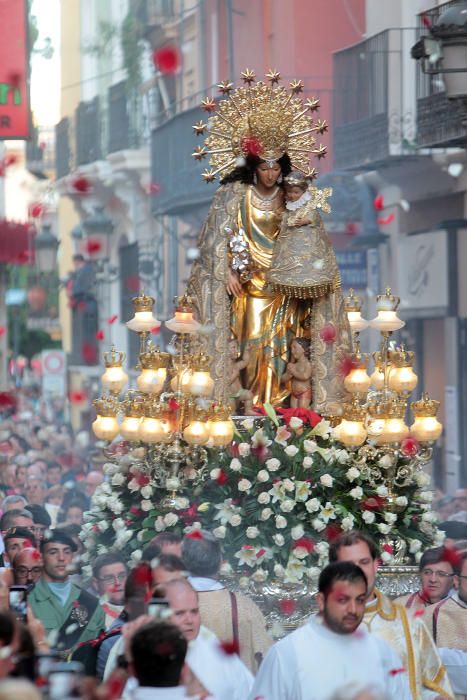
[273, 76]
[248, 76]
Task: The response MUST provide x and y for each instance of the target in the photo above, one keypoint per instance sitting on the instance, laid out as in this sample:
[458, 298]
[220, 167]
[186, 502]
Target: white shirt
[200, 583]
[455, 660]
[313, 663]
[149, 693]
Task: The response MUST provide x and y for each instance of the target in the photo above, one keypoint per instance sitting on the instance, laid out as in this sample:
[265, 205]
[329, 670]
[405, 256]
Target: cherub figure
[238, 393]
[299, 371]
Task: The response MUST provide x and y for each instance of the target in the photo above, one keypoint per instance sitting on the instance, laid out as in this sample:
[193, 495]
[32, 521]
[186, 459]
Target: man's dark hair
[460, 562]
[340, 571]
[39, 514]
[7, 519]
[158, 651]
[348, 539]
[19, 533]
[166, 538]
[435, 555]
[7, 628]
[150, 552]
[454, 529]
[54, 465]
[57, 536]
[106, 560]
[202, 556]
[170, 562]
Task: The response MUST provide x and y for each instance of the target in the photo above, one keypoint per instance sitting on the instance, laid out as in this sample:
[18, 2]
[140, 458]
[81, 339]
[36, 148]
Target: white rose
[279, 570]
[422, 479]
[348, 523]
[295, 423]
[146, 505]
[235, 520]
[382, 491]
[252, 532]
[300, 552]
[235, 465]
[117, 479]
[356, 492]
[322, 548]
[260, 575]
[244, 449]
[429, 517]
[297, 532]
[342, 456]
[265, 514]
[264, 498]
[313, 572]
[103, 525]
[244, 485]
[386, 557]
[287, 505]
[307, 462]
[418, 556]
[415, 546]
[159, 524]
[273, 464]
[326, 480]
[262, 475]
[288, 484]
[244, 582]
[313, 505]
[425, 496]
[170, 519]
[248, 423]
[318, 525]
[352, 473]
[368, 516]
[291, 450]
[219, 532]
[118, 524]
[384, 529]
[385, 461]
[115, 505]
[214, 473]
[281, 522]
[278, 539]
[146, 491]
[310, 446]
[390, 518]
[401, 501]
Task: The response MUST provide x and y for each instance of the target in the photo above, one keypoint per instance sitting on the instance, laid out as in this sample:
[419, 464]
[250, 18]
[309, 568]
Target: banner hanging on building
[14, 70]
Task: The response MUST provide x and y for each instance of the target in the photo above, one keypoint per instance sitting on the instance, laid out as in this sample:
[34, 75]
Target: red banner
[14, 70]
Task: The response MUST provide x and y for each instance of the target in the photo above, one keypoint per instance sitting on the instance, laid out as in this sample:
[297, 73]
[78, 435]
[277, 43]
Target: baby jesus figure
[238, 393]
[299, 371]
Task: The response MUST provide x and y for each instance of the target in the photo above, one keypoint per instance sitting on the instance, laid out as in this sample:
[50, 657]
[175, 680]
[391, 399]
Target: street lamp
[45, 249]
[98, 227]
[445, 53]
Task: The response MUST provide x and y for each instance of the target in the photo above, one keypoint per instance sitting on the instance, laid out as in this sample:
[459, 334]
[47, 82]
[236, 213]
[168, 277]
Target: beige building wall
[381, 15]
[70, 97]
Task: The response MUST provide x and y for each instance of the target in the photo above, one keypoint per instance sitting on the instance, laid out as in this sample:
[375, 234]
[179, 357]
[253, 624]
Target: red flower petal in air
[452, 556]
[419, 613]
[346, 365]
[89, 352]
[154, 188]
[2, 331]
[194, 535]
[426, 21]
[260, 553]
[10, 159]
[81, 184]
[395, 671]
[155, 330]
[167, 60]
[287, 606]
[251, 146]
[77, 396]
[142, 574]
[230, 648]
[92, 246]
[173, 405]
[410, 446]
[378, 202]
[36, 210]
[385, 221]
[112, 319]
[100, 335]
[132, 283]
[328, 333]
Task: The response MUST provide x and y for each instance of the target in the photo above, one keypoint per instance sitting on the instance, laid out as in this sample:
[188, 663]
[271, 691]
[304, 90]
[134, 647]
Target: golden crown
[114, 358]
[425, 407]
[259, 118]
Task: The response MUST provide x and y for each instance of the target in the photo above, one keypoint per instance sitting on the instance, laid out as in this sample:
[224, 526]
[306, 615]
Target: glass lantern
[154, 364]
[183, 321]
[351, 430]
[114, 378]
[387, 320]
[353, 307]
[106, 426]
[143, 320]
[200, 382]
[402, 378]
[426, 427]
[220, 427]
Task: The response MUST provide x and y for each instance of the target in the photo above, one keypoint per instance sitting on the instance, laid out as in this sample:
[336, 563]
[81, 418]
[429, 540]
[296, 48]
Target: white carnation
[291, 450]
[117, 479]
[146, 491]
[384, 529]
[348, 523]
[425, 496]
[214, 473]
[342, 456]
[252, 532]
[429, 517]
[260, 576]
[326, 479]
[273, 464]
[310, 446]
[382, 491]
[137, 555]
[118, 524]
[170, 519]
[352, 473]
[288, 484]
[279, 570]
[103, 525]
[295, 423]
[415, 546]
[281, 522]
[401, 501]
[422, 479]
[322, 548]
[390, 518]
[115, 505]
[386, 557]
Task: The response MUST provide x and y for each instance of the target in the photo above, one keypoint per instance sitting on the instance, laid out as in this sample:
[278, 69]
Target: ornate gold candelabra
[374, 424]
[170, 414]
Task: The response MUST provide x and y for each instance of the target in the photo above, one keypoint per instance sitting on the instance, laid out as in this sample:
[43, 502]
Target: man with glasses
[436, 580]
[27, 567]
[109, 576]
[448, 623]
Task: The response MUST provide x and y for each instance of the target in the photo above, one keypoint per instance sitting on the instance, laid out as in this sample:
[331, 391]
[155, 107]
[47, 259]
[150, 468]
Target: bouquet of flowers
[275, 499]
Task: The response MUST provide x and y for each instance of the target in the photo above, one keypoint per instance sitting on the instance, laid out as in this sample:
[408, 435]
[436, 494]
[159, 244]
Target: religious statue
[238, 394]
[254, 139]
[299, 372]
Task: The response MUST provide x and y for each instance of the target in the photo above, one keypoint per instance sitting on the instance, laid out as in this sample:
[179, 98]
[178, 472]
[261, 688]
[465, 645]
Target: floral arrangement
[275, 499]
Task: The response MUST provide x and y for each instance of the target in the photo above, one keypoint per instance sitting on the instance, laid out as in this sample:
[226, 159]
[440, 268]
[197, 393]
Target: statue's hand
[234, 285]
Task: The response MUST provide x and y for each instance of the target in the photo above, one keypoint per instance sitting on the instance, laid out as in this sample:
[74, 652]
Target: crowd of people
[171, 628]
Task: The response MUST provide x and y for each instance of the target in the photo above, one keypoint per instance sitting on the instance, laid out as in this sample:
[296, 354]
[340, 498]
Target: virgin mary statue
[255, 136]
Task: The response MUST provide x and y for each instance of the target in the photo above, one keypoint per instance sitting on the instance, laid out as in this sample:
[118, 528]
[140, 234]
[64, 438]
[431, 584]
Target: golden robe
[266, 320]
[410, 638]
[449, 628]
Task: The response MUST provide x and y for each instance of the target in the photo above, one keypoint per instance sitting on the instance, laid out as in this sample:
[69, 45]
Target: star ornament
[199, 153]
[321, 126]
[273, 76]
[248, 76]
[297, 86]
[312, 104]
[320, 152]
[209, 176]
[209, 105]
[225, 87]
[199, 128]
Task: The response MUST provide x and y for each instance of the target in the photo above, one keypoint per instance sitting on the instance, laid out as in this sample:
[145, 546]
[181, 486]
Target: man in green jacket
[69, 614]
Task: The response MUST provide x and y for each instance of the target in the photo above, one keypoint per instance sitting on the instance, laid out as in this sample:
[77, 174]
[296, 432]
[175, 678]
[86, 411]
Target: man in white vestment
[407, 635]
[332, 649]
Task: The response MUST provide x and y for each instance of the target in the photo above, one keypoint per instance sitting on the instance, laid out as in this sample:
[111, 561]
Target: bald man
[93, 480]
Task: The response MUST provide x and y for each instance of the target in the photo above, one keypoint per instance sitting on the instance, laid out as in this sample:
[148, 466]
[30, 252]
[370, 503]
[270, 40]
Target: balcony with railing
[439, 120]
[374, 105]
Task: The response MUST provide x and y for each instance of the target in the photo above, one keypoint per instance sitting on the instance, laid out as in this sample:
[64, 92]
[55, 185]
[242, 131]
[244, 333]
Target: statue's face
[233, 350]
[297, 350]
[293, 192]
[267, 175]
